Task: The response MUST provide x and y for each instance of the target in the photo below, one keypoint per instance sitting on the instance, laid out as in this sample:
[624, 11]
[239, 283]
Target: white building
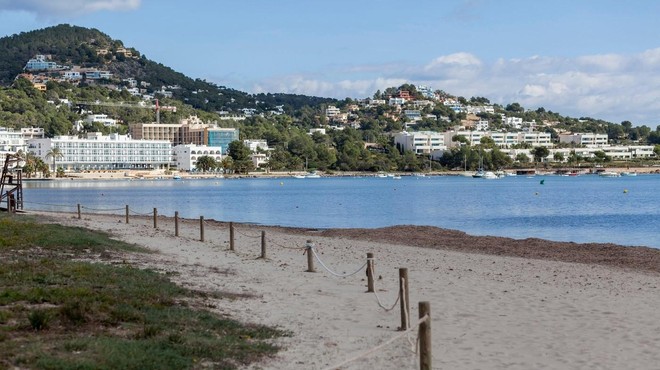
[587, 139]
[256, 145]
[101, 118]
[397, 101]
[186, 156]
[420, 142]
[98, 152]
[332, 111]
[11, 142]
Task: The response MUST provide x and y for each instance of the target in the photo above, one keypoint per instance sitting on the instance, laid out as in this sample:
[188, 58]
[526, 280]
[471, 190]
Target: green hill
[78, 46]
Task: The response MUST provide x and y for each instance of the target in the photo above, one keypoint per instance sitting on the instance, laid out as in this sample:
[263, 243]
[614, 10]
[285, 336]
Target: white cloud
[67, 8]
[610, 87]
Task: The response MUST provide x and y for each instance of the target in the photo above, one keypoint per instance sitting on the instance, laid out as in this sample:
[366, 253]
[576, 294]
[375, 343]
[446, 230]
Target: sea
[589, 208]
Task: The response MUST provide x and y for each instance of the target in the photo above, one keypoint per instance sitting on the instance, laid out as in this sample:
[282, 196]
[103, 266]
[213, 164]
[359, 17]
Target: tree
[54, 153]
[558, 157]
[240, 155]
[539, 153]
[206, 163]
[522, 158]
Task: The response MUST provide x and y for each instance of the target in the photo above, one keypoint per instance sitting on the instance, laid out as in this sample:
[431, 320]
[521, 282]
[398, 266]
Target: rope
[271, 242]
[398, 296]
[246, 235]
[332, 272]
[374, 349]
[140, 214]
[102, 209]
[50, 205]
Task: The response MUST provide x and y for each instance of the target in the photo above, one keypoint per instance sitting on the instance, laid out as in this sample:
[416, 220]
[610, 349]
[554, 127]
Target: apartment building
[99, 152]
[188, 154]
[187, 132]
[420, 142]
[587, 139]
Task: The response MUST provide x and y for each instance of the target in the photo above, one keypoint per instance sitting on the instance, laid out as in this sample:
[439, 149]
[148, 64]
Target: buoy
[537, 193]
[542, 181]
[625, 191]
[281, 183]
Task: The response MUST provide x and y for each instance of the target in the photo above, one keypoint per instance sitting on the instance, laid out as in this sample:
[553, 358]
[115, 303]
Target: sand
[490, 308]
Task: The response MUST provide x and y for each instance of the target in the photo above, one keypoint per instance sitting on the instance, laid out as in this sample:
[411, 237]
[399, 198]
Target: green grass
[56, 313]
[25, 232]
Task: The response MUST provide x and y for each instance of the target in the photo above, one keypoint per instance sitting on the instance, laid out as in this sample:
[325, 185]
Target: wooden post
[403, 298]
[201, 228]
[176, 223]
[231, 236]
[155, 218]
[310, 256]
[263, 244]
[79, 211]
[370, 272]
[127, 214]
[425, 337]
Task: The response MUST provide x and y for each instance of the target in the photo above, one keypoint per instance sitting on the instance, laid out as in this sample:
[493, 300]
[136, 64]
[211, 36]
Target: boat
[609, 174]
[381, 175]
[176, 177]
[479, 174]
[299, 176]
[489, 175]
[628, 173]
[396, 177]
[312, 175]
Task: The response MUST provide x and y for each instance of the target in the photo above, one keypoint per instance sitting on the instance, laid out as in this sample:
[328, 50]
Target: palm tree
[54, 153]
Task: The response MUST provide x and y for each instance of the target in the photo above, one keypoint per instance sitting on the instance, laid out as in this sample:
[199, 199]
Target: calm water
[622, 210]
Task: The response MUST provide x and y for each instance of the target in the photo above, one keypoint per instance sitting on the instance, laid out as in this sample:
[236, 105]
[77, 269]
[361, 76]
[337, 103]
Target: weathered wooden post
[201, 228]
[155, 218]
[263, 244]
[127, 214]
[370, 272]
[310, 256]
[176, 223]
[79, 216]
[425, 337]
[403, 298]
[231, 236]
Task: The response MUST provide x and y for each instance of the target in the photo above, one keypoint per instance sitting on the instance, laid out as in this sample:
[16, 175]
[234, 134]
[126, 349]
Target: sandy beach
[496, 303]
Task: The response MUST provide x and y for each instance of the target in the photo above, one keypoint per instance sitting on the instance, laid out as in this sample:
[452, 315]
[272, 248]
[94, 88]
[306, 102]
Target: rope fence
[313, 250]
[423, 338]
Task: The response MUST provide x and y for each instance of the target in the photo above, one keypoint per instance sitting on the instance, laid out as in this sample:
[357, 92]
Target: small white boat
[396, 177]
[489, 175]
[381, 175]
[628, 173]
[299, 176]
[313, 175]
[609, 174]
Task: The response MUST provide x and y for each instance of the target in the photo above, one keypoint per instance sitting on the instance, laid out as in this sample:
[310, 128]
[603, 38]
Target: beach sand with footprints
[496, 303]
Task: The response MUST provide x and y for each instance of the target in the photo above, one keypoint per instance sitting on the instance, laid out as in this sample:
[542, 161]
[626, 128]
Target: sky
[581, 58]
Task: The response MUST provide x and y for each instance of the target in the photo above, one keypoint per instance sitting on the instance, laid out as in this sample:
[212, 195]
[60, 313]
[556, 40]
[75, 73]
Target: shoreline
[493, 311]
[161, 174]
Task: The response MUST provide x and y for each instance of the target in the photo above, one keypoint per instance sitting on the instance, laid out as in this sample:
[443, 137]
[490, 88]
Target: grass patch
[25, 232]
[62, 314]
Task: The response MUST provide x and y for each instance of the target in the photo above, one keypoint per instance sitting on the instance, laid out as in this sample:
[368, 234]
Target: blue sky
[596, 58]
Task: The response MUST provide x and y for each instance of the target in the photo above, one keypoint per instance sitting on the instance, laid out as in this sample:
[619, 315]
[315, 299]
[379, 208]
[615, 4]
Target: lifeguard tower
[11, 183]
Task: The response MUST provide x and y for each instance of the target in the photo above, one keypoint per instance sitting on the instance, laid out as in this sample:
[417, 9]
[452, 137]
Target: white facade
[11, 142]
[332, 111]
[255, 145]
[502, 139]
[420, 142]
[98, 152]
[186, 155]
[587, 139]
[101, 118]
